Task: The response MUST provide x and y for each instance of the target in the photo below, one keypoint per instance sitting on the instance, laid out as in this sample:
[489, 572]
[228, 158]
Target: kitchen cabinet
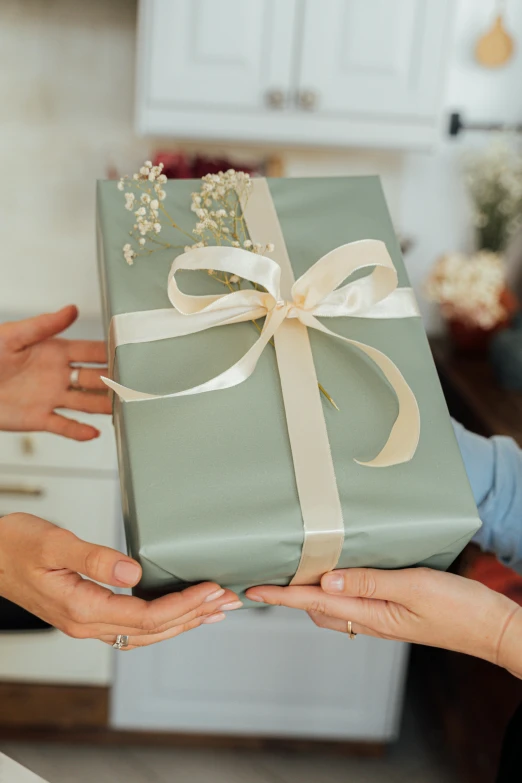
[308, 72]
[264, 672]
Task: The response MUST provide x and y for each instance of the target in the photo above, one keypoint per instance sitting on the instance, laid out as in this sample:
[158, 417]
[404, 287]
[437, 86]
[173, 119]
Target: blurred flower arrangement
[471, 289]
[494, 182]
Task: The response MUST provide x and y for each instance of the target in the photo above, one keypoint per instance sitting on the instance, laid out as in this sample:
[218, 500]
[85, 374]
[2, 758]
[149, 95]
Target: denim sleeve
[494, 468]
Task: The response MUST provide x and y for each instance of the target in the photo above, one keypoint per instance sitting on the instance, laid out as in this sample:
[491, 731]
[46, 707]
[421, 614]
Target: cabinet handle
[21, 489]
[307, 100]
[275, 99]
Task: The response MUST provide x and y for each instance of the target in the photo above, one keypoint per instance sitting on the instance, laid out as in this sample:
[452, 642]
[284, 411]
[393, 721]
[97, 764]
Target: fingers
[310, 599]
[68, 428]
[206, 611]
[87, 402]
[41, 327]
[91, 379]
[88, 351]
[373, 583]
[90, 610]
[136, 642]
[314, 600]
[150, 615]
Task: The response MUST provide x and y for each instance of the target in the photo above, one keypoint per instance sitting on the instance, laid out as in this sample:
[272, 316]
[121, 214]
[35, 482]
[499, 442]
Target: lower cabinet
[263, 672]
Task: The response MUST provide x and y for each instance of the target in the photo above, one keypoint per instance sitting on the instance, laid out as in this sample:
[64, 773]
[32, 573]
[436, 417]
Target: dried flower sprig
[218, 207]
[470, 288]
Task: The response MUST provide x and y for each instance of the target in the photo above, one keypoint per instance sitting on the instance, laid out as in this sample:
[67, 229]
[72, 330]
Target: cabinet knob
[275, 99]
[27, 446]
[307, 100]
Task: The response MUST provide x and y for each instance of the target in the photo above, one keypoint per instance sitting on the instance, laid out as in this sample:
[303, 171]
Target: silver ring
[74, 378]
[351, 634]
[121, 641]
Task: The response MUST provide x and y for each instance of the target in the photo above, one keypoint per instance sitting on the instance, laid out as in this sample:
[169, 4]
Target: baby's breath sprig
[218, 207]
[144, 196]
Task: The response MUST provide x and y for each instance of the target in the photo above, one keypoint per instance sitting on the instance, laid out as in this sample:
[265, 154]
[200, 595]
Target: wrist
[510, 644]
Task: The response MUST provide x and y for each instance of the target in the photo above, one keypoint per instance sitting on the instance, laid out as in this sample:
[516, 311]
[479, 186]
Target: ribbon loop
[315, 294]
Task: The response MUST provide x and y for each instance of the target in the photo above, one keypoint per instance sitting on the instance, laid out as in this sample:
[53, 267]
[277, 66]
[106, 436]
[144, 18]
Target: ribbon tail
[238, 373]
[404, 436]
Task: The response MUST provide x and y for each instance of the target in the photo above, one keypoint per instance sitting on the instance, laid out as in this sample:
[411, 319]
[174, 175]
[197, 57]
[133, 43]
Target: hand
[34, 376]
[40, 567]
[414, 605]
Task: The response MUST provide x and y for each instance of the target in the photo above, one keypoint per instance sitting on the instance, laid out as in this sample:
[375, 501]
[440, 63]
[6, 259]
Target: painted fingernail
[214, 618]
[213, 596]
[126, 572]
[333, 583]
[231, 606]
[255, 597]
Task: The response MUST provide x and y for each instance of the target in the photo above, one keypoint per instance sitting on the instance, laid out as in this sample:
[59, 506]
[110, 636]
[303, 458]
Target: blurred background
[424, 93]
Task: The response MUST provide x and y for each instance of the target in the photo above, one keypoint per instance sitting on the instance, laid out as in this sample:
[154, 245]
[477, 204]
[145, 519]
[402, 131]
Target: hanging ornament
[496, 47]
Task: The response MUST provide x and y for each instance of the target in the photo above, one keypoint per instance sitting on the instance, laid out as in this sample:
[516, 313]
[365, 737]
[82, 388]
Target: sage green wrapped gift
[208, 480]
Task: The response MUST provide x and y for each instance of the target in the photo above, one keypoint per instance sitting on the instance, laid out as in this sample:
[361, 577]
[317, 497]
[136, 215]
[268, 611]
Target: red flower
[176, 165]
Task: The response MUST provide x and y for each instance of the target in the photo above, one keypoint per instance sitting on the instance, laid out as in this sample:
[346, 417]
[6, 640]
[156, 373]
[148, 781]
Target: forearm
[494, 468]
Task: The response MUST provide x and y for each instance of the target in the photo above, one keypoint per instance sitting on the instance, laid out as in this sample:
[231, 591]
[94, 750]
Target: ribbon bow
[314, 295]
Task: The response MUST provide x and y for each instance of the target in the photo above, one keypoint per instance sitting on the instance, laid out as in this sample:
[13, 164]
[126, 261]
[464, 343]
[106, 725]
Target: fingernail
[214, 618]
[255, 597]
[214, 595]
[333, 583]
[231, 606]
[126, 572]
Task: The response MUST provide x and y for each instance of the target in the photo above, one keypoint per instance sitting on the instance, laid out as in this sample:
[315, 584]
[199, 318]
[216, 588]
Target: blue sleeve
[494, 468]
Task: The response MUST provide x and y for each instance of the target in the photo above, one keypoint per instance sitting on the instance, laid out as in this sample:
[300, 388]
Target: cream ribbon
[314, 295]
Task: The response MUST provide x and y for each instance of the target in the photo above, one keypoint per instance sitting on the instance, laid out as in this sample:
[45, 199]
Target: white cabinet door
[264, 672]
[381, 58]
[203, 54]
[314, 72]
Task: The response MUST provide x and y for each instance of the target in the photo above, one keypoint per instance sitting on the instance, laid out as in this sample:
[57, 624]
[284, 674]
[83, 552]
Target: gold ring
[351, 634]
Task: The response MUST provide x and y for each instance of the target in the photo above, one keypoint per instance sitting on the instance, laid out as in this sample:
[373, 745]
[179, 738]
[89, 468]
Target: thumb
[33, 330]
[100, 563]
[369, 583]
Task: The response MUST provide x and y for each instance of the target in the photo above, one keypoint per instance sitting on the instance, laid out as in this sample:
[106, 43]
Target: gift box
[257, 479]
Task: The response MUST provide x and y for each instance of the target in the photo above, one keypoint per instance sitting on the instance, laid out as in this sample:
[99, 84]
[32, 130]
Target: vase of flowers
[473, 297]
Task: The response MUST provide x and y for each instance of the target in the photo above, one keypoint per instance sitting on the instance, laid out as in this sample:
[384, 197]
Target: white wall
[66, 94]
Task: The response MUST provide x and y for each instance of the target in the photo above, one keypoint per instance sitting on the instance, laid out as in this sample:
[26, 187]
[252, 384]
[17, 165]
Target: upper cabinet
[313, 72]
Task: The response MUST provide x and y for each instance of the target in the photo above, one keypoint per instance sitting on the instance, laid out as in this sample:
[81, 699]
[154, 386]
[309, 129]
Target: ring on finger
[349, 631]
[74, 378]
[121, 641]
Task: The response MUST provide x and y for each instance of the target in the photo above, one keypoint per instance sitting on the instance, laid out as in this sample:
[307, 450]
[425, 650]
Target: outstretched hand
[413, 605]
[41, 568]
[35, 371]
